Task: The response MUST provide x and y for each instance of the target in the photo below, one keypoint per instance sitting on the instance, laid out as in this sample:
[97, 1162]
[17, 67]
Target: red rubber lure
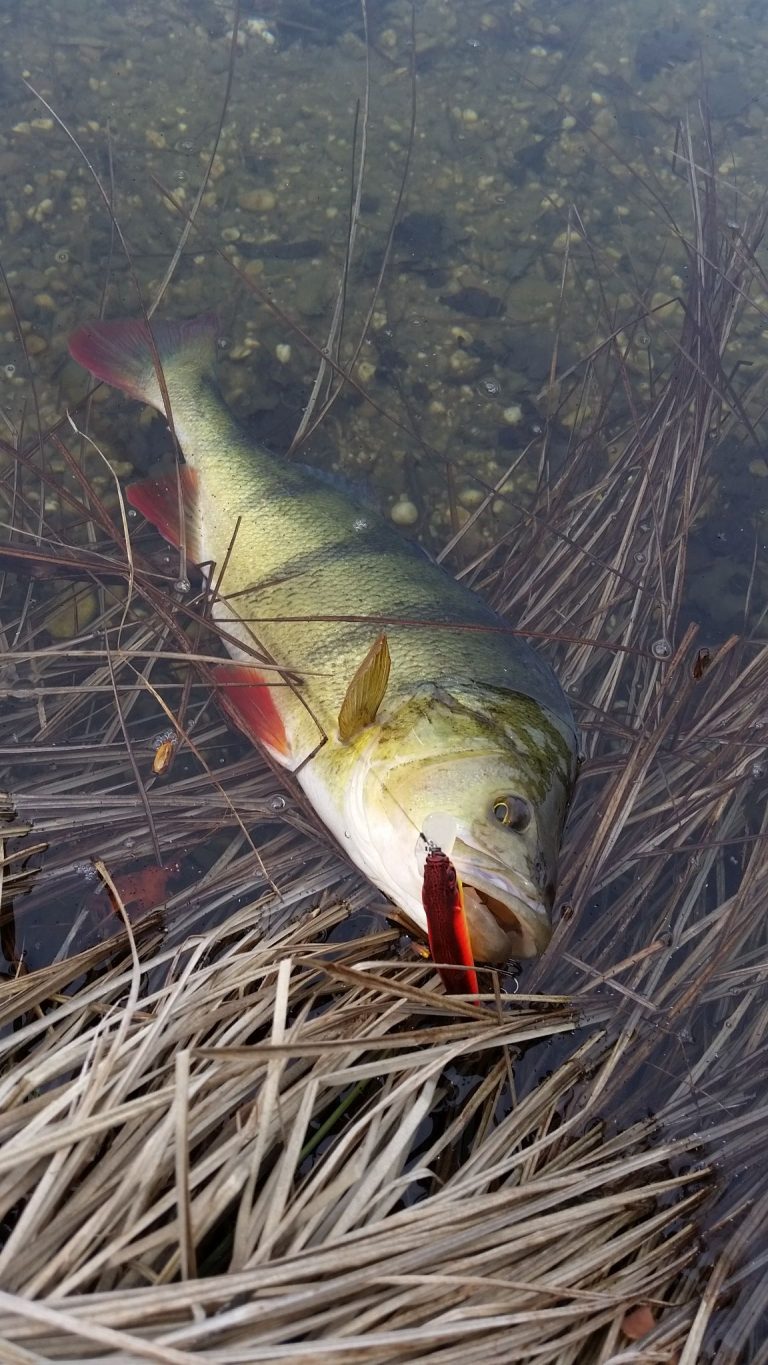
[447, 929]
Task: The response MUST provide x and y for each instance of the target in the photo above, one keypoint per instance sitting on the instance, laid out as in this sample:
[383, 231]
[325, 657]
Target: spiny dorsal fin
[366, 691]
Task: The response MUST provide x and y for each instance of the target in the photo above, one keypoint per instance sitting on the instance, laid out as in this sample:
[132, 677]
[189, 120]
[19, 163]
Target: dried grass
[233, 1132]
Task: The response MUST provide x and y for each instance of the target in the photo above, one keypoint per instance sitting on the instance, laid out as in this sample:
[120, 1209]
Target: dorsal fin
[365, 693]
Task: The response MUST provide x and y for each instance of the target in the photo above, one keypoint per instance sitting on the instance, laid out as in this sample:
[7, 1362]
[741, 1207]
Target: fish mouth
[502, 922]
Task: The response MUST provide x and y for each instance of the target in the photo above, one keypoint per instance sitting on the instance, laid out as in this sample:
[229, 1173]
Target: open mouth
[503, 928]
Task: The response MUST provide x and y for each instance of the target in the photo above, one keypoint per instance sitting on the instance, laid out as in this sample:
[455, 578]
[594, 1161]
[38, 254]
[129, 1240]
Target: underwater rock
[726, 96]
[257, 201]
[421, 235]
[530, 160]
[664, 47]
[474, 302]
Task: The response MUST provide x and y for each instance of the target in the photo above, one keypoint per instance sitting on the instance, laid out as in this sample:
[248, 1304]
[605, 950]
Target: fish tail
[121, 353]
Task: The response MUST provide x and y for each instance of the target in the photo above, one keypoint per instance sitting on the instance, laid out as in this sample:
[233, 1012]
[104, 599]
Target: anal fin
[248, 697]
[158, 501]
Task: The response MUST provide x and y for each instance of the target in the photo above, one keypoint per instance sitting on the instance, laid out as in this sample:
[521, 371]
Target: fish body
[471, 722]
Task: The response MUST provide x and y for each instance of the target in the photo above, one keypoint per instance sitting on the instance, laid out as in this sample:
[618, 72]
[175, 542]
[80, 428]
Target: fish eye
[512, 811]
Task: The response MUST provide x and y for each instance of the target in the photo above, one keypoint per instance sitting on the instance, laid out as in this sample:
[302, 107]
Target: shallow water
[546, 146]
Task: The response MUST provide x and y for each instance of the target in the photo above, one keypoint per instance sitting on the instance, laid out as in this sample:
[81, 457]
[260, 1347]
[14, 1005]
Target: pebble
[513, 415]
[404, 512]
[257, 201]
[462, 362]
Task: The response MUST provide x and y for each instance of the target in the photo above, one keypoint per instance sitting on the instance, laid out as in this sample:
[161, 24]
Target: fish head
[486, 774]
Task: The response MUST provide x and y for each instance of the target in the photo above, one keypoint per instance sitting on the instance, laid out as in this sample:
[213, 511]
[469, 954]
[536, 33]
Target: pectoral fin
[366, 691]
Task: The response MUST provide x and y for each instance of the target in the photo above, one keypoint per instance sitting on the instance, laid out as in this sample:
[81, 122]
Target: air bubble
[640, 557]
[182, 585]
[62, 257]
[277, 803]
[9, 370]
[661, 649]
[759, 768]
[491, 387]
[87, 871]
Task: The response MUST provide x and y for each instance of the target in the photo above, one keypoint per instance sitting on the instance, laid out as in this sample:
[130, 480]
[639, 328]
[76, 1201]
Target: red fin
[447, 925]
[247, 696]
[158, 501]
[120, 353]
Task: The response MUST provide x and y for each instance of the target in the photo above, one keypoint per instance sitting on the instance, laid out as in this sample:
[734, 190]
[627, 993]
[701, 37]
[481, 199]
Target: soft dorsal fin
[120, 352]
[158, 501]
[366, 691]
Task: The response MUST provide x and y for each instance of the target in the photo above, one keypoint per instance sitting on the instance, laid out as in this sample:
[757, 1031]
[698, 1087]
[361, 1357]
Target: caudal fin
[120, 353]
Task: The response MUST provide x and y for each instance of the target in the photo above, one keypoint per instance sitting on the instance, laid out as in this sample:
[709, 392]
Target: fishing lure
[447, 927]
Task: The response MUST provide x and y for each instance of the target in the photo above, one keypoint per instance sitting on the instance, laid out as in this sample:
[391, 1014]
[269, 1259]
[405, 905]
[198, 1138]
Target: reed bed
[244, 1124]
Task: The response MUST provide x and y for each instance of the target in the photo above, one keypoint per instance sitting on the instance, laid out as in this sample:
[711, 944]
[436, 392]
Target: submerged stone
[474, 302]
[421, 234]
[664, 47]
